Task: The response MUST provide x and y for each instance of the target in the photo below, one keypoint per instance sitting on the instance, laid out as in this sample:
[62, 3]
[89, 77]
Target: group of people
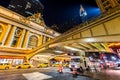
[75, 72]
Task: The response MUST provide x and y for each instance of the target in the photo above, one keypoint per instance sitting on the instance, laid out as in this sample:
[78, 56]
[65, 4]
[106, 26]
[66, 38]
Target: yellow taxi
[24, 66]
[55, 65]
[5, 66]
[42, 65]
[66, 65]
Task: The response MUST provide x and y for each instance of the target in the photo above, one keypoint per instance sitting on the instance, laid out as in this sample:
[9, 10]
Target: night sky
[64, 13]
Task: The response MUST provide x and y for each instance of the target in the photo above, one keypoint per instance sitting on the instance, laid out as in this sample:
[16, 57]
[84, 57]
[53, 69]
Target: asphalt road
[49, 73]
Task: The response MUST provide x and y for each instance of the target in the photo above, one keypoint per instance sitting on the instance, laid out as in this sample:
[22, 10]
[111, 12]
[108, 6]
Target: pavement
[104, 75]
[51, 73]
[108, 74]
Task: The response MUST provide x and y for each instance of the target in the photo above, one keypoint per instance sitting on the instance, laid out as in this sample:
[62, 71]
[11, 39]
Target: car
[55, 65]
[5, 66]
[42, 65]
[24, 66]
[66, 65]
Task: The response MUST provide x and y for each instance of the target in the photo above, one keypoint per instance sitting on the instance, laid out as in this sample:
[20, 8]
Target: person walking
[60, 69]
[74, 72]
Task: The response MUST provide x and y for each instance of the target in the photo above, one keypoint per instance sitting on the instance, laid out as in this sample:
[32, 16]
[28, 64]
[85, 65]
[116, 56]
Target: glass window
[33, 40]
[75, 60]
[17, 35]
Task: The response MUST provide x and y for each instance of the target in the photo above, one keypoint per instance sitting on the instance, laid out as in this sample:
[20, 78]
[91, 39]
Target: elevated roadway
[94, 35]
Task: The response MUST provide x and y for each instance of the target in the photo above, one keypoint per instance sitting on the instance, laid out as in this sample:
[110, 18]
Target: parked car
[55, 64]
[42, 65]
[5, 66]
[66, 65]
[24, 66]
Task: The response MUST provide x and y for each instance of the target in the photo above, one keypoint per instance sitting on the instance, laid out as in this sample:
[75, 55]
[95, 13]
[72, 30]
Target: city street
[38, 74]
[51, 73]
[60, 40]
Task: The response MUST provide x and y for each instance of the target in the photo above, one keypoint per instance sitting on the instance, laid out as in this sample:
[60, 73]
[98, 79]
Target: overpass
[96, 34]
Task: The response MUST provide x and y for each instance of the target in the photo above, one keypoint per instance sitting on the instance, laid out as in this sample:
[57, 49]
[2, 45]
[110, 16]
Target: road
[51, 73]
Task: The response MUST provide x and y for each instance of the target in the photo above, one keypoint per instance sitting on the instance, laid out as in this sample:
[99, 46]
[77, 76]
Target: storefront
[14, 60]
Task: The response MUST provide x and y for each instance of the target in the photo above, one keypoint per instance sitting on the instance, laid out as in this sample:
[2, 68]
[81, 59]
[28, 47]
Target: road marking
[36, 76]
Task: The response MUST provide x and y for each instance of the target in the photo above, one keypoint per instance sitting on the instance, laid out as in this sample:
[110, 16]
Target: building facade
[19, 35]
[106, 5]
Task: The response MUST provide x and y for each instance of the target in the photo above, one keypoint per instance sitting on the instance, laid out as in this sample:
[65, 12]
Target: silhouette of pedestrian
[74, 72]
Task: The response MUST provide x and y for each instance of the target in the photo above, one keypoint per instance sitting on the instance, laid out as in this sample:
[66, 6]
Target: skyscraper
[106, 5]
[26, 7]
[83, 14]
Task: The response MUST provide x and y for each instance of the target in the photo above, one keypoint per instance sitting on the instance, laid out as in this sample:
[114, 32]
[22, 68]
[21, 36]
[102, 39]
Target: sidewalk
[103, 75]
[109, 74]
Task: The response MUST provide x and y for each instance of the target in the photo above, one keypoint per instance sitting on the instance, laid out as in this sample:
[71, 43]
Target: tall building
[26, 7]
[106, 5]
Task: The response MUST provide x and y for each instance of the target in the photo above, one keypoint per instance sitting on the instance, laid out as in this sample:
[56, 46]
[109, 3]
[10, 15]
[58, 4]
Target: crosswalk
[36, 76]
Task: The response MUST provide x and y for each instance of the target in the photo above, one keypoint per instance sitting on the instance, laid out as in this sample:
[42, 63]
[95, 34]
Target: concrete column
[41, 40]
[44, 39]
[5, 32]
[26, 38]
[20, 41]
[10, 36]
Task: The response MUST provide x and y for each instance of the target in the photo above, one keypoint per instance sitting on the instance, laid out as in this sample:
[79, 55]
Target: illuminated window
[14, 42]
[33, 40]
[17, 35]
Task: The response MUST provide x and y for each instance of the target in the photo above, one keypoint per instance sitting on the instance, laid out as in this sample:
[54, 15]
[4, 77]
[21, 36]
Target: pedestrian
[74, 72]
[81, 69]
[88, 68]
[95, 68]
[60, 69]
